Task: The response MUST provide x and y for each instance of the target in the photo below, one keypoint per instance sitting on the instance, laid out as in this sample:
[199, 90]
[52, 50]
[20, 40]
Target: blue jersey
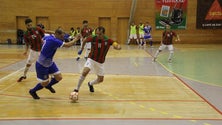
[147, 29]
[147, 32]
[48, 50]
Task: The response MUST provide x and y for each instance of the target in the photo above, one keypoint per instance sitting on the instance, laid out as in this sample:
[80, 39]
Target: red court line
[103, 100]
[214, 107]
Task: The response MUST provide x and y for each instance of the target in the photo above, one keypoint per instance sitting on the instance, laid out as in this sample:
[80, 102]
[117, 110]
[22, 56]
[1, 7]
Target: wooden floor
[135, 88]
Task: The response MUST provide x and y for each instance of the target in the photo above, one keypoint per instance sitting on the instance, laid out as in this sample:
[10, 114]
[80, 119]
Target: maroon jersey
[34, 37]
[99, 48]
[86, 31]
[168, 37]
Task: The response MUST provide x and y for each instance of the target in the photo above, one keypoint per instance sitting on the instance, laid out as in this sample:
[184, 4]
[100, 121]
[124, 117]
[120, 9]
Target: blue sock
[52, 82]
[151, 43]
[37, 88]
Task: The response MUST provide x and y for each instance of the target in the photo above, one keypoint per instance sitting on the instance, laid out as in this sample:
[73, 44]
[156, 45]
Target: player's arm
[84, 42]
[71, 43]
[26, 46]
[116, 46]
[49, 32]
[178, 38]
[87, 39]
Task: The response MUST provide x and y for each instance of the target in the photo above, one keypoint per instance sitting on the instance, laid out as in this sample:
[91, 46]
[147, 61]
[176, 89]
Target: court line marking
[205, 100]
[9, 75]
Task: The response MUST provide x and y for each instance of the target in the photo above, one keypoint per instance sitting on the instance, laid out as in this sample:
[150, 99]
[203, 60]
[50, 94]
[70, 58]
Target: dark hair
[84, 21]
[41, 26]
[59, 31]
[101, 28]
[28, 20]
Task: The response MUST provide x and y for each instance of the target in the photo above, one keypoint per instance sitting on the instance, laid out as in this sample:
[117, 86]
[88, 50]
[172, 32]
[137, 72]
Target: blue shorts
[147, 37]
[44, 72]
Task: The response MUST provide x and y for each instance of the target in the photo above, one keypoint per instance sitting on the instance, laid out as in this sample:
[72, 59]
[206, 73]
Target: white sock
[171, 55]
[93, 82]
[26, 70]
[156, 54]
[81, 79]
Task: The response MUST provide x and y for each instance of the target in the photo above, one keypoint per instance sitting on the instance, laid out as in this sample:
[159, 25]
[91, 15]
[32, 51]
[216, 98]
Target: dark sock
[52, 82]
[37, 88]
[151, 43]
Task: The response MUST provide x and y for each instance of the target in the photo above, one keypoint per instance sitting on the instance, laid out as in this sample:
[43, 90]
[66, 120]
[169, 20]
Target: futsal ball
[73, 96]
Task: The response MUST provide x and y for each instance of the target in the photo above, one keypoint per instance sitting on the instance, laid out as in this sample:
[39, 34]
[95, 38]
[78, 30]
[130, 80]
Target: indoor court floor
[135, 90]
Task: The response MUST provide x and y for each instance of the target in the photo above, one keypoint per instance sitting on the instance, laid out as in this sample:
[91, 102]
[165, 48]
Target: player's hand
[80, 52]
[177, 40]
[25, 53]
[78, 36]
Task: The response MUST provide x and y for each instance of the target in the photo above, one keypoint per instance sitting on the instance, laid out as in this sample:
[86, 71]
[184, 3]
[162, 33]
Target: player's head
[41, 26]
[72, 29]
[85, 23]
[28, 23]
[167, 27]
[100, 31]
[59, 33]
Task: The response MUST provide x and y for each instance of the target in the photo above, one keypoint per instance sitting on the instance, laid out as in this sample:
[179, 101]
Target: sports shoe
[169, 60]
[154, 59]
[77, 59]
[91, 89]
[34, 95]
[21, 78]
[51, 89]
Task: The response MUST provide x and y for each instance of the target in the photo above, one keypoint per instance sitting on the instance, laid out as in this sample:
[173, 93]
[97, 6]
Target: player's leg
[78, 56]
[88, 49]
[130, 39]
[87, 67]
[56, 77]
[33, 55]
[99, 70]
[141, 39]
[158, 51]
[150, 41]
[171, 49]
[43, 78]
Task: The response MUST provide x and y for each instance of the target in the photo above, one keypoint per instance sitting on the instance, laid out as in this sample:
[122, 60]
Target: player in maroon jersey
[33, 40]
[100, 45]
[167, 41]
[85, 32]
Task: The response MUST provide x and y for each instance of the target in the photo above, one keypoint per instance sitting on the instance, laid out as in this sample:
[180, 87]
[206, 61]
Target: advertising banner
[171, 12]
[209, 14]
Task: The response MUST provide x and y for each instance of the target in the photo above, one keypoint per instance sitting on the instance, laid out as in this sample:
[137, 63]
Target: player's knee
[28, 65]
[45, 83]
[85, 71]
[171, 51]
[58, 77]
[100, 79]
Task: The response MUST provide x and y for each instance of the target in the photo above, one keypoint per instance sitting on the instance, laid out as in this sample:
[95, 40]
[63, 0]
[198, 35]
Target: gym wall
[114, 15]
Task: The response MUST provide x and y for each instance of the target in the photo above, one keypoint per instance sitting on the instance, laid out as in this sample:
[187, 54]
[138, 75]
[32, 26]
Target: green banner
[172, 12]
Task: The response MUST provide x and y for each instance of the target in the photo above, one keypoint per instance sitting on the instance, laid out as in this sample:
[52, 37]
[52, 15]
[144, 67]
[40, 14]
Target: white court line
[9, 75]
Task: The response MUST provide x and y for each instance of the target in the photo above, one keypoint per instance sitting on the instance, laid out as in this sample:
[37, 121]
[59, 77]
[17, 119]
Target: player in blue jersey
[147, 34]
[45, 65]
